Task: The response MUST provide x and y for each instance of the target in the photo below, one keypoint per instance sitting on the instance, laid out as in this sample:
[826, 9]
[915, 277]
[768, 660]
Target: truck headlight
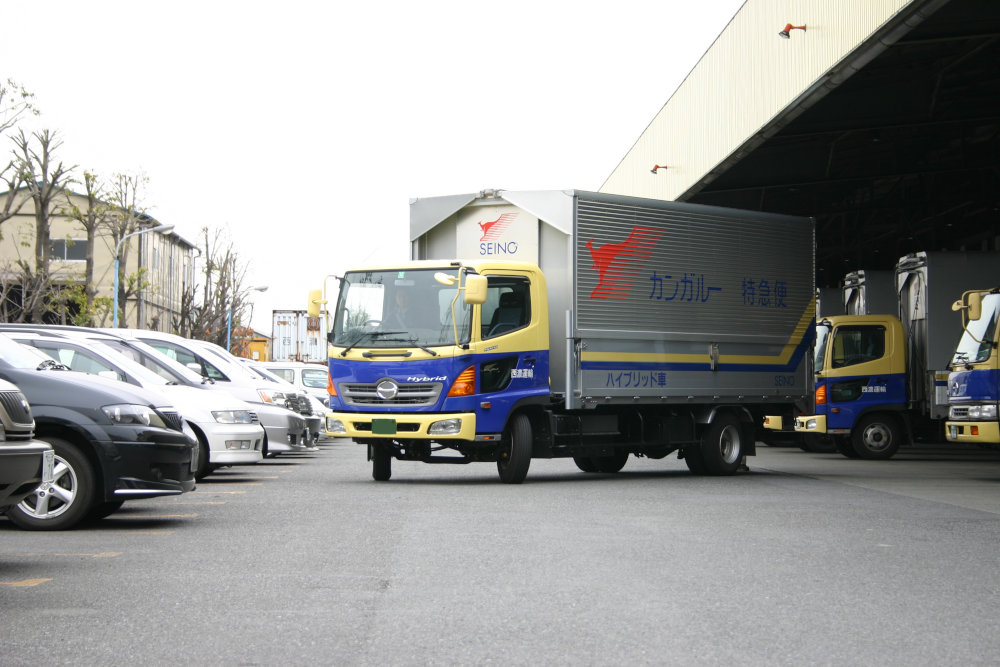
[988, 411]
[335, 426]
[445, 427]
[232, 416]
[810, 424]
[133, 415]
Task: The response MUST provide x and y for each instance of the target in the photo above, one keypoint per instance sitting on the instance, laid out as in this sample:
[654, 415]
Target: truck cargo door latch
[713, 354]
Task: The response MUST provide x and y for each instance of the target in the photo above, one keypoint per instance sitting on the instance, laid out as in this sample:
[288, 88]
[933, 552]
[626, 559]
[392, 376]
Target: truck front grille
[409, 394]
[959, 412]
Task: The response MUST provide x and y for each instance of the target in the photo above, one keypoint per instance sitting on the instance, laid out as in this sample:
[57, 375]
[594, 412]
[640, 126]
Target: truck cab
[418, 365]
[861, 385]
[974, 380]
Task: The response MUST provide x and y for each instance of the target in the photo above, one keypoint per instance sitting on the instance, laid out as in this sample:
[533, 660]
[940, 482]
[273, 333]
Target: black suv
[113, 442]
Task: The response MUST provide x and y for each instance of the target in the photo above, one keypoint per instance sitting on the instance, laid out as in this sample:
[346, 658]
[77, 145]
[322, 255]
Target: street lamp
[229, 316]
[159, 228]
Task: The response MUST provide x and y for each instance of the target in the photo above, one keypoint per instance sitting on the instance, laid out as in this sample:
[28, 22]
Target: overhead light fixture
[656, 167]
[786, 33]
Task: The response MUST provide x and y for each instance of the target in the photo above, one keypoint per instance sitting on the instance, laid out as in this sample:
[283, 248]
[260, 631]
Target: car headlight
[232, 416]
[127, 414]
[272, 396]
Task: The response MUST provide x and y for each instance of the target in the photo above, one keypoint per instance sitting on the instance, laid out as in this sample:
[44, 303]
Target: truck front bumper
[395, 426]
[810, 424]
[974, 432]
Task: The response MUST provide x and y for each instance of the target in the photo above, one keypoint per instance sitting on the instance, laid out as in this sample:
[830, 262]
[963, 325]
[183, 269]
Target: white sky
[304, 128]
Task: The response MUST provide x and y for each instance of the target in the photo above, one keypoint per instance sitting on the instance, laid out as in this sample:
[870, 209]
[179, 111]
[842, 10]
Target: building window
[68, 249]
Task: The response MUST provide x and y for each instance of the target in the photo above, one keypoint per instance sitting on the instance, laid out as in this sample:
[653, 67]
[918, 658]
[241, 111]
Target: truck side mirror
[973, 303]
[315, 301]
[475, 289]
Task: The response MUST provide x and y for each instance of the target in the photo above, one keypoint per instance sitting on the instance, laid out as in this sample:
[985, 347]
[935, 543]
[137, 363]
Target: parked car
[319, 409]
[283, 429]
[237, 380]
[113, 442]
[25, 463]
[311, 378]
[228, 430]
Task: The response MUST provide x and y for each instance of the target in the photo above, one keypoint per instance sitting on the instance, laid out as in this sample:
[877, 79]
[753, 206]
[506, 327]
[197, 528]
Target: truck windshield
[976, 343]
[822, 335]
[399, 308]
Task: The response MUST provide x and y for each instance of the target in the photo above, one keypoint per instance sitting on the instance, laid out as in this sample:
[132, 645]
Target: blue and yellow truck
[544, 324]
[974, 380]
[882, 377]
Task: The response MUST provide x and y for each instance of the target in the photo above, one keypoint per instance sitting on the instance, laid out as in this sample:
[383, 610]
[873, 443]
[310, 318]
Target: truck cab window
[507, 307]
[857, 345]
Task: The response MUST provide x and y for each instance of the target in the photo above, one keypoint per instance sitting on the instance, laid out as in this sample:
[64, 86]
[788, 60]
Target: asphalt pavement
[805, 559]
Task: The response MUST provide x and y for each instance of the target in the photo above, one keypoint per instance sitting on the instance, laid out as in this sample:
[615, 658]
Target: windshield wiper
[373, 334]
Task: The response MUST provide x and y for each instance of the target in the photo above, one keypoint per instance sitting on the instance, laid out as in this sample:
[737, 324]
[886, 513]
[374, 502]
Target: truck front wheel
[515, 459]
[877, 437]
[722, 446]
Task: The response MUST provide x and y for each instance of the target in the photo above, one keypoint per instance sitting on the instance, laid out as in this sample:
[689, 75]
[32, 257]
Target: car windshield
[399, 308]
[16, 355]
[976, 343]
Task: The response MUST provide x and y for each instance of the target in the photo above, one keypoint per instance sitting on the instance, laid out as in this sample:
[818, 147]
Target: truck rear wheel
[514, 461]
[381, 463]
[722, 446]
[877, 437]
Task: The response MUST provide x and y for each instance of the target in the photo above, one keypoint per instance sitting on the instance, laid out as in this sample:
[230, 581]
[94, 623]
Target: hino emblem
[387, 389]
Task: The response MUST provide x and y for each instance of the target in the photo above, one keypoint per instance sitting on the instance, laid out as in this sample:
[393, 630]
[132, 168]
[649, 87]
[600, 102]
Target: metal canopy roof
[903, 156]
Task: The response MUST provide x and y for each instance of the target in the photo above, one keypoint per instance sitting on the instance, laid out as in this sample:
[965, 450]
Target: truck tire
[612, 462]
[722, 446]
[381, 464]
[845, 446]
[68, 500]
[877, 437]
[514, 461]
[818, 443]
[694, 461]
[585, 463]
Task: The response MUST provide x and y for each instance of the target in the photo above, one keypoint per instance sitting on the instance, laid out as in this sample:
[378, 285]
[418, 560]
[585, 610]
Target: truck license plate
[384, 427]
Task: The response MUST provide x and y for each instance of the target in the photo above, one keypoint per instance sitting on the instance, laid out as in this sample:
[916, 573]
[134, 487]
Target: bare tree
[93, 218]
[126, 214]
[15, 103]
[45, 180]
[223, 305]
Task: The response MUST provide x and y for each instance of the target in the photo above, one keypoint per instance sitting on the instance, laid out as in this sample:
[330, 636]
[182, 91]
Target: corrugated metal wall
[748, 77]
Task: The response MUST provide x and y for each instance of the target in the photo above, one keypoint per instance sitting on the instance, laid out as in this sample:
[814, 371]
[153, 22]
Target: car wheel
[204, 467]
[516, 458]
[65, 502]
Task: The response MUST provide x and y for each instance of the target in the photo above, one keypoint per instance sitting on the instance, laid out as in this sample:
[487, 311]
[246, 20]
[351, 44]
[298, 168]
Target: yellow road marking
[229, 492]
[143, 517]
[200, 502]
[24, 582]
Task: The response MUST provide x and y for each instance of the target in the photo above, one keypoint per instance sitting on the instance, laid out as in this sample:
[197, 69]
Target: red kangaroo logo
[618, 264]
[494, 228]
